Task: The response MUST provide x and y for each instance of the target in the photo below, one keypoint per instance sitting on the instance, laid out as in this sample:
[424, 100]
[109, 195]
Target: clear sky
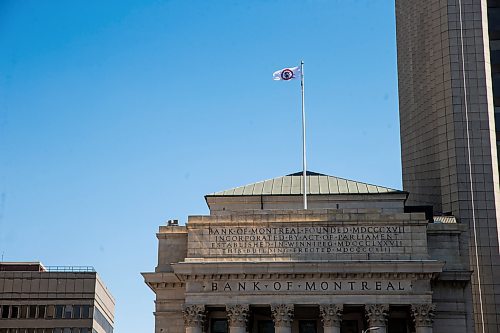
[118, 115]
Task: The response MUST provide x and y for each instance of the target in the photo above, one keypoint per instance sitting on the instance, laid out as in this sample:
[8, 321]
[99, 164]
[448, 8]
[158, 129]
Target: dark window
[85, 311]
[41, 311]
[59, 311]
[14, 311]
[84, 330]
[218, 326]
[307, 326]
[5, 311]
[495, 57]
[494, 18]
[24, 311]
[349, 326]
[266, 326]
[32, 311]
[76, 311]
[397, 325]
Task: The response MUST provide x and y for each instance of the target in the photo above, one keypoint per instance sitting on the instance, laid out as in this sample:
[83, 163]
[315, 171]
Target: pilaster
[194, 316]
[331, 316]
[237, 315]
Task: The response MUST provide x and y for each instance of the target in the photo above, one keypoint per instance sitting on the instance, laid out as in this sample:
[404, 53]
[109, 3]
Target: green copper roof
[317, 184]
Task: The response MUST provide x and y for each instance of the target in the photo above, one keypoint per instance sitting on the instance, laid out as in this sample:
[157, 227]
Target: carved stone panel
[194, 315]
[282, 314]
[331, 314]
[423, 314]
[237, 315]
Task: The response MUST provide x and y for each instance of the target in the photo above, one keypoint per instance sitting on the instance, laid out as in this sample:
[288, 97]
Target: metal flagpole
[304, 165]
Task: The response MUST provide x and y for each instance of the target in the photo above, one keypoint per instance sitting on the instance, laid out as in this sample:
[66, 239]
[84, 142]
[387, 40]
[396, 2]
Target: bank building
[357, 259]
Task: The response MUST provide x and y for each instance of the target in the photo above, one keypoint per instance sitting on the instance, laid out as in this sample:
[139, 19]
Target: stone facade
[316, 270]
[434, 123]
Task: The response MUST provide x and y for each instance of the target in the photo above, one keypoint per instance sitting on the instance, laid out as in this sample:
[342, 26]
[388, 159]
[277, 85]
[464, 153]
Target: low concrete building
[39, 299]
[357, 259]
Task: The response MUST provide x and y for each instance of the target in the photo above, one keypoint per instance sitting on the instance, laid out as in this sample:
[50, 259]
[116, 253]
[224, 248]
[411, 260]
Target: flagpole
[304, 165]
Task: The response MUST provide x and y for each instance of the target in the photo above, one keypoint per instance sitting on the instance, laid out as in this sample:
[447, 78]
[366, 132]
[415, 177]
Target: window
[59, 311]
[85, 311]
[266, 326]
[67, 330]
[84, 330]
[76, 311]
[32, 312]
[218, 326]
[68, 310]
[24, 311]
[307, 326]
[41, 311]
[104, 323]
[50, 311]
[14, 311]
[5, 311]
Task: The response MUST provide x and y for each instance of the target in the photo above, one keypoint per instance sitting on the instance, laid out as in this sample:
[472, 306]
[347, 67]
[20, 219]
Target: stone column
[237, 316]
[377, 317]
[194, 315]
[283, 317]
[423, 315]
[331, 316]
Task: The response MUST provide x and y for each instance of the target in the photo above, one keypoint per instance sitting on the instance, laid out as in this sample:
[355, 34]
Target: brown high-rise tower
[446, 124]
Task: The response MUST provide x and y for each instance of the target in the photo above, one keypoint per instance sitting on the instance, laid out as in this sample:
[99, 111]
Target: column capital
[377, 314]
[423, 314]
[237, 314]
[331, 314]
[282, 314]
[194, 315]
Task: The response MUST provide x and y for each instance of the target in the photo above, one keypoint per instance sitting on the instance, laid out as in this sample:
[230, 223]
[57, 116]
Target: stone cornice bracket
[237, 314]
[377, 314]
[423, 314]
[331, 314]
[194, 315]
[282, 314]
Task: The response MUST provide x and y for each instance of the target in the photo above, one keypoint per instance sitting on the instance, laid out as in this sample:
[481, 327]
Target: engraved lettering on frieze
[331, 314]
[423, 314]
[321, 286]
[305, 240]
[194, 315]
[282, 314]
[237, 315]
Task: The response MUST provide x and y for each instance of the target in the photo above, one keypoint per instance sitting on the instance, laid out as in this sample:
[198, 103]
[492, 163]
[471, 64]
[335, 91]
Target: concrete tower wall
[433, 127]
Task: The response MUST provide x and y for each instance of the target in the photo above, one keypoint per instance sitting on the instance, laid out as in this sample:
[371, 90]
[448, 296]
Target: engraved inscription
[313, 285]
[305, 240]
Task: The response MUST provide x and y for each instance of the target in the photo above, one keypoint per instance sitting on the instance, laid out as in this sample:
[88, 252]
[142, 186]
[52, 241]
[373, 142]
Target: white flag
[287, 74]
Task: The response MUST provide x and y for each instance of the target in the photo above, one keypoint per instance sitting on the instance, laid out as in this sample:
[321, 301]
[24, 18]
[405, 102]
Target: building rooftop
[292, 184]
[36, 266]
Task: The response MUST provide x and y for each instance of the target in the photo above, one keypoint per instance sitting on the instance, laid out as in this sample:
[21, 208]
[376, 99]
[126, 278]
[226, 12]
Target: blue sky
[118, 115]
